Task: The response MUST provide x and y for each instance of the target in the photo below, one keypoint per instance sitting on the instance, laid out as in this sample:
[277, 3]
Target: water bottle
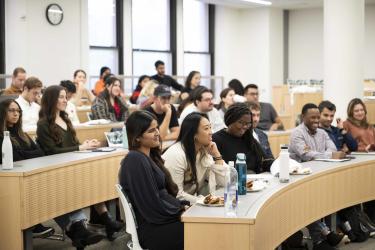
[7, 152]
[241, 170]
[284, 164]
[125, 143]
[230, 191]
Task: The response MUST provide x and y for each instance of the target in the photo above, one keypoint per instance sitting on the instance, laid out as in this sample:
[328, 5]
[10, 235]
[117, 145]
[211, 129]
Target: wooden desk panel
[282, 208]
[43, 188]
[276, 138]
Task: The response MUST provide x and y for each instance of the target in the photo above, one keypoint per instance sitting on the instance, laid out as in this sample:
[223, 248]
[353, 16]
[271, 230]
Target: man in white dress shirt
[71, 110]
[31, 93]
[202, 98]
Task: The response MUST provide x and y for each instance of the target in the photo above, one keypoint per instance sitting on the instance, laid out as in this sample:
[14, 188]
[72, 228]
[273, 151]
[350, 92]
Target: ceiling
[283, 4]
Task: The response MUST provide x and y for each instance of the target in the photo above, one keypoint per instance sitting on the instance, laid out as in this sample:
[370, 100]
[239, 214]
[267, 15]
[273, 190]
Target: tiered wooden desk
[276, 138]
[370, 105]
[40, 189]
[267, 218]
[87, 132]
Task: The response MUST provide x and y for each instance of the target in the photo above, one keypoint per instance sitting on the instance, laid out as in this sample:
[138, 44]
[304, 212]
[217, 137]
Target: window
[151, 36]
[197, 54]
[104, 43]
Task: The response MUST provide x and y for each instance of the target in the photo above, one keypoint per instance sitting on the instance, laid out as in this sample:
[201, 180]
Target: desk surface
[283, 208]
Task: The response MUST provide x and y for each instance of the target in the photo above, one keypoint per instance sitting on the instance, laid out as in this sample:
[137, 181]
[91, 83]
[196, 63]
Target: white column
[343, 52]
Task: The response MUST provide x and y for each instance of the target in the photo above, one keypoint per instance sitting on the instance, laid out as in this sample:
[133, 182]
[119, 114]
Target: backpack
[359, 231]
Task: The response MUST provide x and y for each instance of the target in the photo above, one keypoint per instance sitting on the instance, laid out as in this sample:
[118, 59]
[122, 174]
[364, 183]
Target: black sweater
[229, 145]
[144, 182]
[21, 150]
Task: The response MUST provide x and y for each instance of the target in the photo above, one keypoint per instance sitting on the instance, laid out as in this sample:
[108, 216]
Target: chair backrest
[131, 223]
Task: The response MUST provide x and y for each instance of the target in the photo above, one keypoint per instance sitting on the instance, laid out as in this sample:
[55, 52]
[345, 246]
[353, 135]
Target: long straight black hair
[136, 125]
[189, 128]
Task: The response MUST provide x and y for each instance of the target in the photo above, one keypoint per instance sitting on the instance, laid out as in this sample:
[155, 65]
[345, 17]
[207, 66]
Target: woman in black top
[238, 138]
[23, 147]
[150, 187]
[56, 134]
[192, 81]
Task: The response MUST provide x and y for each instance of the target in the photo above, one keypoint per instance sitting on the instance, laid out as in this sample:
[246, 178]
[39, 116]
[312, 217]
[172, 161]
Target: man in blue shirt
[340, 137]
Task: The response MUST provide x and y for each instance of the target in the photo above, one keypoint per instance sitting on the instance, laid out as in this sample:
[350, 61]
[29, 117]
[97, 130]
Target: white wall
[249, 46]
[306, 43]
[50, 52]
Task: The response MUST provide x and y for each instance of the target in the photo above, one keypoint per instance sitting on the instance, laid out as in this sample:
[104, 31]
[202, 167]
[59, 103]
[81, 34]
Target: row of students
[55, 134]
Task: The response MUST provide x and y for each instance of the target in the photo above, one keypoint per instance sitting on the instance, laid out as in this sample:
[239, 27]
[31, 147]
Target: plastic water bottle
[230, 191]
[241, 170]
[125, 143]
[284, 164]
[7, 152]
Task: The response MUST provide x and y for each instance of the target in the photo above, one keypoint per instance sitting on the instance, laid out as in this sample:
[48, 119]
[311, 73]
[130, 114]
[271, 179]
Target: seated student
[162, 78]
[203, 103]
[165, 113]
[83, 96]
[258, 134]
[308, 142]
[108, 104]
[31, 93]
[192, 81]
[238, 88]
[150, 187]
[55, 134]
[100, 84]
[194, 161]
[342, 139]
[18, 79]
[146, 97]
[357, 125]
[23, 147]
[269, 120]
[70, 107]
[226, 97]
[141, 83]
[238, 138]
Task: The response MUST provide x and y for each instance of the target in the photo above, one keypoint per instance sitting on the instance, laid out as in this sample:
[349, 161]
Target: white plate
[200, 202]
[257, 186]
[302, 171]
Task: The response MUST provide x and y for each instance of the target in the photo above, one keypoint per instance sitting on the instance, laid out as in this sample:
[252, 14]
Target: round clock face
[54, 14]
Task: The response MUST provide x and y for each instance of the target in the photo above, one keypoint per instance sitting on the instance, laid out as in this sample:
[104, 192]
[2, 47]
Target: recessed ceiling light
[258, 2]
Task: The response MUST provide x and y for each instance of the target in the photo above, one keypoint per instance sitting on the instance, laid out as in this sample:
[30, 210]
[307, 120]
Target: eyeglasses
[15, 111]
[244, 124]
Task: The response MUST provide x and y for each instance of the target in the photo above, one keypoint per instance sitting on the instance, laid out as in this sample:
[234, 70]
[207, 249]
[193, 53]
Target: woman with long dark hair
[238, 138]
[226, 99]
[192, 81]
[141, 83]
[357, 125]
[23, 146]
[55, 134]
[109, 104]
[150, 187]
[194, 161]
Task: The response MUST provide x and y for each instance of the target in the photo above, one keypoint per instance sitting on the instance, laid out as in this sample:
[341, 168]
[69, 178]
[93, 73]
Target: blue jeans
[64, 220]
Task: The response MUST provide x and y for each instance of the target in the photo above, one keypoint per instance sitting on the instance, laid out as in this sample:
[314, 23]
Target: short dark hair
[32, 83]
[328, 105]
[158, 62]
[198, 92]
[308, 106]
[253, 106]
[18, 70]
[103, 69]
[237, 86]
[250, 86]
[69, 86]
